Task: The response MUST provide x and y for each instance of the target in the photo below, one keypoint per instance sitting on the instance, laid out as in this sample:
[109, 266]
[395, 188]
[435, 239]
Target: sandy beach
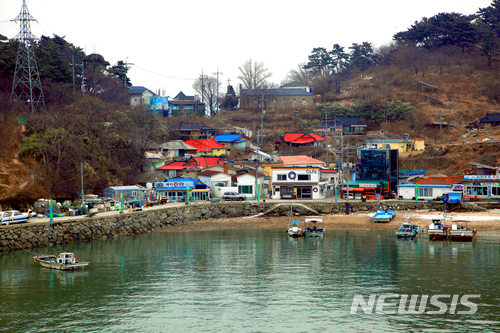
[481, 221]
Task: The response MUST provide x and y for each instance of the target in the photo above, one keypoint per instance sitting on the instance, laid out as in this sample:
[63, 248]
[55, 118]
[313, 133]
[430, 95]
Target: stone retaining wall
[31, 235]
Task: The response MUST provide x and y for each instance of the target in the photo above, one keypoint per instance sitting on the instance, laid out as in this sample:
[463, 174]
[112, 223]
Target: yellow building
[402, 145]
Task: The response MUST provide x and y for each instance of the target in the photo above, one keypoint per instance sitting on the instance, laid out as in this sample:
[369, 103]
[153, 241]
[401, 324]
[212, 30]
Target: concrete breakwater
[67, 230]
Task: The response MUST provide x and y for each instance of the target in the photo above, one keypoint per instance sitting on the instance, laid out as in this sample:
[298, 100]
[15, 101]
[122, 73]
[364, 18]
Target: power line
[170, 77]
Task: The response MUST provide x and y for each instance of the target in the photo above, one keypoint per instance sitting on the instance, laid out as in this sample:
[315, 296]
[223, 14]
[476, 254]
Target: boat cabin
[66, 258]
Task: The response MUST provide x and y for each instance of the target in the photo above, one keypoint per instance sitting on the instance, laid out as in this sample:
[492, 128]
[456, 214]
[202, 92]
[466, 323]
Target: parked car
[233, 196]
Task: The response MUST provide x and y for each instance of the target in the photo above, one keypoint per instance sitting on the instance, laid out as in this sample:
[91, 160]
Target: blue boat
[383, 216]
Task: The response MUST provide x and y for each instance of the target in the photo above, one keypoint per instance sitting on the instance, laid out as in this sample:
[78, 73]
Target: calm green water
[249, 281]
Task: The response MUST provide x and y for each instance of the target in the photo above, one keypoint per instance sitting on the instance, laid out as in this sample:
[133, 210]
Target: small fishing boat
[407, 230]
[294, 230]
[15, 216]
[383, 216]
[461, 233]
[314, 226]
[437, 231]
[66, 261]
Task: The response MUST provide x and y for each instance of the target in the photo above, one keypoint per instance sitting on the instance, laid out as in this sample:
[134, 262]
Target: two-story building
[298, 183]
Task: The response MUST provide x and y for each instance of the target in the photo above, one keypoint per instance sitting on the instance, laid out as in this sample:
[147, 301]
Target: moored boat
[437, 231]
[461, 233]
[15, 216]
[407, 230]
[66, 261]
[314, 226]
[294, 230]
[383, 216]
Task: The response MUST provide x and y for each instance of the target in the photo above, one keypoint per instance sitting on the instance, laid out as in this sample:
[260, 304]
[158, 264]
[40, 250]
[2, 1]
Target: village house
[430, 188]
[206, 147]
[139, 95]
[194, 130]
[344, 125]
[176, 168]
[177, 189]
[489, 121]
[482, 181]
[302, 140]
[298, 183]
[239, 141]
[402, 145]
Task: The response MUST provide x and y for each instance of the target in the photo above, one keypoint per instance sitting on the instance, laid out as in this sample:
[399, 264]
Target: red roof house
[302, 139]
[206, 147]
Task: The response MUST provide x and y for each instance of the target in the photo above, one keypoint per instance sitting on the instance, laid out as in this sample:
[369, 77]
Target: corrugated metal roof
[299, 160]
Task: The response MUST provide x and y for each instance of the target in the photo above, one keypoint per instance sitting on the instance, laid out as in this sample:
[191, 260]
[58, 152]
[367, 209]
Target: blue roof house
[240, 141]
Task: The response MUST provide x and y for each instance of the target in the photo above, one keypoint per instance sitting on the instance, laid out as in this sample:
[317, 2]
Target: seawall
[67, 230]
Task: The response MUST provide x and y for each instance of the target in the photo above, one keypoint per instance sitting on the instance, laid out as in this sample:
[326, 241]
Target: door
[304, 193]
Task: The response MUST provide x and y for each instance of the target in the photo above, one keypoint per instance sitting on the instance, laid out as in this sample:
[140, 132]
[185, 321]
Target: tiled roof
[490, 118]
[440, 180]
[299, 160]
[175, 165]
[137, 90]
[302, 138]
[204, 144]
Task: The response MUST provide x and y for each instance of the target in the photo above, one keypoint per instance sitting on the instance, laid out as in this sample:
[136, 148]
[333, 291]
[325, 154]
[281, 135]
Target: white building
[298, 183]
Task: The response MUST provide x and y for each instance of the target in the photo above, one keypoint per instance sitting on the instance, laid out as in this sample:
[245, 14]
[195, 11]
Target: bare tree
[254, 75]
[208, 87]
[299, 74]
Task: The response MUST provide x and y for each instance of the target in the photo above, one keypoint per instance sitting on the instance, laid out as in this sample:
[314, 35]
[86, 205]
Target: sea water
[256, 280]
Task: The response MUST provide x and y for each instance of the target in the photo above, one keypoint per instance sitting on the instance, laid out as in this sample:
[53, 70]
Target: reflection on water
[248, 280]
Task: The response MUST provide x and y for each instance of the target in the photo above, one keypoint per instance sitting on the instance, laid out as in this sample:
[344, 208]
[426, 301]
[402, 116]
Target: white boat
[15, 216]
[314, 226]
[66, 261]
[294, 230]
[437, 231]
[407, 230]
[461, 233]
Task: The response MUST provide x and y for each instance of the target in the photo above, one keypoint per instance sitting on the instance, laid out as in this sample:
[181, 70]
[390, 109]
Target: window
[294, 101]
[254, 101]
[274, 101]
[245, 189]
[425, 192]
[303, 177]
[281, 177]
[303, 101]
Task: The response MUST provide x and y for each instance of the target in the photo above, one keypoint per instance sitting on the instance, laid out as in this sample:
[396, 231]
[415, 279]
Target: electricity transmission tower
[27, 87]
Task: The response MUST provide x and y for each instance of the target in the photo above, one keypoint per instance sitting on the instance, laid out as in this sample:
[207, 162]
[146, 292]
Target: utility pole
[326, 137]
[262, 120]
[348, 176]
[217, 101]
[83, 196]
[440, 126]
[26, 85]
[257, 171]
[126, 70]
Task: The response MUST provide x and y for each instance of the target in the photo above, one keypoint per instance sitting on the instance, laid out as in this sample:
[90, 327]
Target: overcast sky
[171, 42]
